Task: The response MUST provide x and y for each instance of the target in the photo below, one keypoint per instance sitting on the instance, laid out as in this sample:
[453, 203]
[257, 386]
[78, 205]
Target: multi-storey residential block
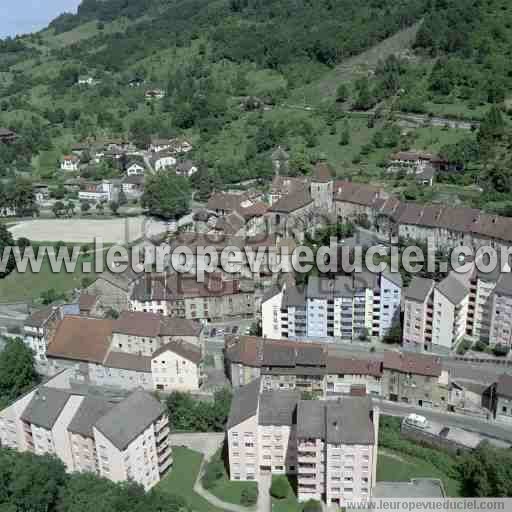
[330, 446]
[417, 379]
[346, 307]
[136, 350]
[501, 313]
[124, 441]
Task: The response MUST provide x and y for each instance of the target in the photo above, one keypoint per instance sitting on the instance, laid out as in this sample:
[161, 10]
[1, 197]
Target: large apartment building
[476, 305]
[330, 446]
[128, 440]
[346, 307]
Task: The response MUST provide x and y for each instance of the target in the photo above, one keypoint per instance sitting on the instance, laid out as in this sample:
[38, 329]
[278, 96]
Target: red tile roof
[409, 362]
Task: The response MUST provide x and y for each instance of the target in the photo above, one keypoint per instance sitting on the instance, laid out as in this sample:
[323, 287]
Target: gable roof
[419, 289]
[129, 418]
[323, 172]
[353, 366]
[452, 289]
[278, 407]
[409, 362]
[39, 317]
[81, 339]
[244, 404]
[181, 348]
[90, 411]
[137, 323]
[125, 361]
[293, 201]
[45, 407]
[357, 193]
[504, 385]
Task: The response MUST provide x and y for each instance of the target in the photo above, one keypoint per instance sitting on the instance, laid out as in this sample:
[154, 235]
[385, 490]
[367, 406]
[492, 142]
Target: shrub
[249, 496]
[213, 472]
[480, 346]
[312, 506]
[279, 488]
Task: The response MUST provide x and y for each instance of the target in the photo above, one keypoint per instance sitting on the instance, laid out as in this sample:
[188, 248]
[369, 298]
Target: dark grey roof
[129, 418]
[244, 403]
[311, 419]
[271, 292]
[452, 289]
[310, 356]
[45, 407]
[349, 421]
[294, 296]
[419, 289]
[320, 287]
[504, 386]
[89, 412]
[292, 202]
[504, 285]
[278, 407]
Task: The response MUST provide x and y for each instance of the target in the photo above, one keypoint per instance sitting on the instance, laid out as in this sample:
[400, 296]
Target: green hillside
[242, 76]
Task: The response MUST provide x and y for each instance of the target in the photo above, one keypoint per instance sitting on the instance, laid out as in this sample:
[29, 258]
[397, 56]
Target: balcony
[161, 423]
[164, 455]
[165, 465]
[162, 435]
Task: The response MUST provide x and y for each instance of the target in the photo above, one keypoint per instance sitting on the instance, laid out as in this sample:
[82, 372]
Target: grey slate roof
[452, 289]
[504, 386]
[278, 407]
[294, 296]
[278, 355]
[311, 419]
[45, 407]
[394, 277]
[504, 285]
[89, 412]
[349, 422]
[244, 403]
[128, 419]
[419, 289]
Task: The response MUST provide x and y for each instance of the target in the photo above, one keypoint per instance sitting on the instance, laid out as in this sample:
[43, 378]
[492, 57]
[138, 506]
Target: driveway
[264, 499]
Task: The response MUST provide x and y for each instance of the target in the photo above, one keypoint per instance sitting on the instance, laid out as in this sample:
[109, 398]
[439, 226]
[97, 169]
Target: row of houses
[120, 441]
[137, 350]
[416, 379]
[475, 305]
[294, 201]
[344, 307]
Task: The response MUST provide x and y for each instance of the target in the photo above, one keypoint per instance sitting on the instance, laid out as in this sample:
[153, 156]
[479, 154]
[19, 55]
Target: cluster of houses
[162, 154]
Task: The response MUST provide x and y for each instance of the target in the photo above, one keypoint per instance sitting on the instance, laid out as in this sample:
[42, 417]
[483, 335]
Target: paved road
[484, 427]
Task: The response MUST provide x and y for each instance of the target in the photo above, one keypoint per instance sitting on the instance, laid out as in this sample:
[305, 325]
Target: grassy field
[180, 481]
[29, 285]
[397, 467]
[229, 491]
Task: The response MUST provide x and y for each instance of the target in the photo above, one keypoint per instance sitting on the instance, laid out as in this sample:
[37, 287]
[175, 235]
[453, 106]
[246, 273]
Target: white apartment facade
[127, 440]
[331, 446]
[347, 307]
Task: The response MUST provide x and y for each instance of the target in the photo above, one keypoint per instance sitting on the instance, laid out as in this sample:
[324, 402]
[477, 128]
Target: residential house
[163, 159]
[154, 94]
[70, 163]
[158, 145]
[186, 168]
[98, 192]
[501, 399]
[135, 169]
[353, 376]
[133, 185]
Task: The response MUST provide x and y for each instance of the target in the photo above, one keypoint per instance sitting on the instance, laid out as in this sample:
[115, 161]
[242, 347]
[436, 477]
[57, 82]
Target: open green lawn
[227, 490]
[398, 467]
[28, 286]
[181, 479]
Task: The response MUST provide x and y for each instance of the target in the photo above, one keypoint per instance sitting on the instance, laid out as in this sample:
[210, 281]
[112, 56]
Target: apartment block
[501, 313]
[346, 307]
[128, 440]
[331, 446]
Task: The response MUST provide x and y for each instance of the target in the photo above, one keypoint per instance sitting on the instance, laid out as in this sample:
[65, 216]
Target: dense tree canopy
[167, 195]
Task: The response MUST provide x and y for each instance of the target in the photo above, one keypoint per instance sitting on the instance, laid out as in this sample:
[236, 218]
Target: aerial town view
[255, 255]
